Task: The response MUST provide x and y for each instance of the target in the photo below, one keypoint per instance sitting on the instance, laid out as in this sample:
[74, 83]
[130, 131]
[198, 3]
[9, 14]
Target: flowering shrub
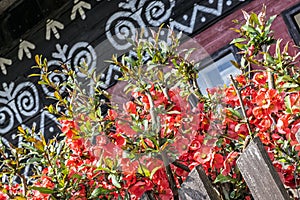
[148, 144]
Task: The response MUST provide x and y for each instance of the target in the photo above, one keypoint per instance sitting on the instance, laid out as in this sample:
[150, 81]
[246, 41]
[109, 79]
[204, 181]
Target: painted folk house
[65, 31]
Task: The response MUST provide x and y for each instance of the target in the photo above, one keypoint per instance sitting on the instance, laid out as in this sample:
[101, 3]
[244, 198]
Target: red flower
[231, 97]
[259, 112]
[203, 154]
[128, 166]
[260, 78]
[3, 196]
[118, 139]
[111, 115]
[241, 79]
[283, 124]
[123, 127]
[229, 162]
[130, 107]
[68, 128]
[251, 50]
[216, 161]
[76, 145]
[269, 100]
[140, 187]
[294, 99]
[195, 145]
[149, 143]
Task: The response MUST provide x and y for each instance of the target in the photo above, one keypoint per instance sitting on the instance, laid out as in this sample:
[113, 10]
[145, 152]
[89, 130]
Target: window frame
[219, 54]
[293, 27]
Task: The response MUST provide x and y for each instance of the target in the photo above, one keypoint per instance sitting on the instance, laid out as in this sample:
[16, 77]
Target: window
[215, 71]
[292, 20]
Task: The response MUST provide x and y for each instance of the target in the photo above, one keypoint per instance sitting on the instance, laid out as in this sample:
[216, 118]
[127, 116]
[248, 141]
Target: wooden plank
[259, 173]
[197, 186]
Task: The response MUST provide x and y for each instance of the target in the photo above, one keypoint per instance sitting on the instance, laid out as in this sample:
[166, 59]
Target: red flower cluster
[124, 161]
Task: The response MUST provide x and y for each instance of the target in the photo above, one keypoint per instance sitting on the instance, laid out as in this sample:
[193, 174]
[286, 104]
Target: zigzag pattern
[197, 8]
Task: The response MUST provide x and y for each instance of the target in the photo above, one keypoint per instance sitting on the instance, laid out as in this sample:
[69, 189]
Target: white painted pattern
[54, 77]
[108, 76]
[80, 52]
[3, 63]
[78, 7]
[196, 10]
[122, 25]
[47, 118]
[157, 12]
[16, 103]
[24, 47]
[51, 27]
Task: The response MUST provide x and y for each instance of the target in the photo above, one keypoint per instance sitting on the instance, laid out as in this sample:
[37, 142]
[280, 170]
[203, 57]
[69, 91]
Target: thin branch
[181, 166]
[156, 127]
[271, 82]
[242, 104]
[170, 175]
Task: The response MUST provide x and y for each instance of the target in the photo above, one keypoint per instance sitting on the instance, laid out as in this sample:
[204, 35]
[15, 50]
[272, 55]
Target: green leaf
[284, 78]
[29, 147]
[269, 22]
[232, 194]
[21, 130]
[39, 145]
[114, 180]
[43, 190]
[236, 40]
[34, 160]
[249, 29]
[224, 179]
[174, 112]
[109, 163]
[57, 95]
[236, 64]
[290, 85]
[76, 176]
[144, 171]
[277, 50]
[99, 191]
[254, 18]
[270, 59]
[33, 75]
[235, 113]
[50, 109]
[240, 46]
[160, 75]
[287, 103]
[153, 172]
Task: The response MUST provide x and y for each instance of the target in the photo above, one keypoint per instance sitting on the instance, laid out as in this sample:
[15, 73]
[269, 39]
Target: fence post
[259, 173]
[197, 186]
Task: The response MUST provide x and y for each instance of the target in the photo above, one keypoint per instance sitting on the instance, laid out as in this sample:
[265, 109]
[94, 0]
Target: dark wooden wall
[72, 31]
[219, 34]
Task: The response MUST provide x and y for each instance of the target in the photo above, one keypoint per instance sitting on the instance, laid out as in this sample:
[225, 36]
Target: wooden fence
[257, 170]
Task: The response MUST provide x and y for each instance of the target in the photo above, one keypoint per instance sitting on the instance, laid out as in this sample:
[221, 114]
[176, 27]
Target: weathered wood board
[197, 186]
[259, 173]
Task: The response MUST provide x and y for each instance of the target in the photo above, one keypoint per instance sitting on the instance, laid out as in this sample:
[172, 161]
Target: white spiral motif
[82, 52]
[6, 119]
[26, 99]
[54, 77]
[157, 12]
[121, 27]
